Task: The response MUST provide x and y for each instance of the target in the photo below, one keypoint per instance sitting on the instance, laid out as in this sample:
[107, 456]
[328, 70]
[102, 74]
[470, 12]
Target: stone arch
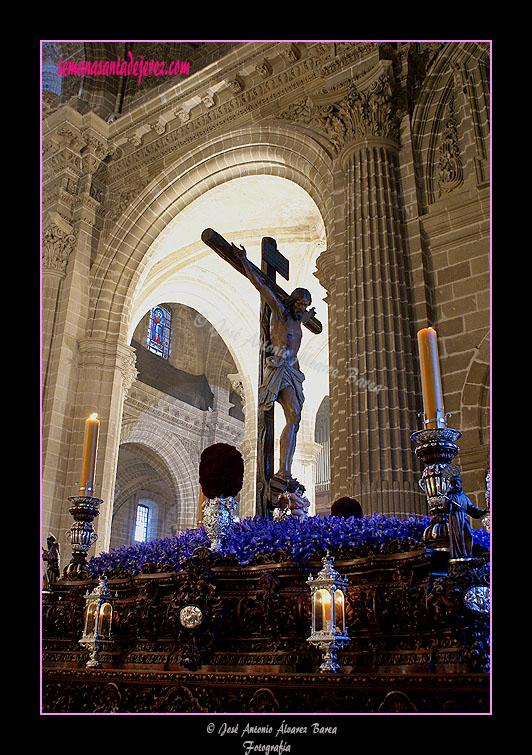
[475, 396]
[142, 477]
[151, 459]
[445, 82]
[272, 150]
[168, 451]
[121, 270]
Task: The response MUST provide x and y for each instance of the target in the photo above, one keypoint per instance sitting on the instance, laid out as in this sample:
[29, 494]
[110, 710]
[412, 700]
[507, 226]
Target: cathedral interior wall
[127, 174]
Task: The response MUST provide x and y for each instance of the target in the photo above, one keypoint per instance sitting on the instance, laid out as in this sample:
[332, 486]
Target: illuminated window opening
[158, 341]
[141, 523]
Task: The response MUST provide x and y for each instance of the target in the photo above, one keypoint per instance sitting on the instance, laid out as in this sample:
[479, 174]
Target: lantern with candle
[98, 622]
[328, 592]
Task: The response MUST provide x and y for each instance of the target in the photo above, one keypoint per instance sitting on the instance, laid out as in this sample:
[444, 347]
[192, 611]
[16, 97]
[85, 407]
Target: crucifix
[280, 378]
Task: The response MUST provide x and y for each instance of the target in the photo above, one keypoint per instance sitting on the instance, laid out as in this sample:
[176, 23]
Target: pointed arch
[273, 150]
[446, 79]
[475, 396]
[167, 452]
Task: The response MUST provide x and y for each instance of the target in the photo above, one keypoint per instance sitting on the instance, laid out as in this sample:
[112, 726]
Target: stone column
[305, 460]
[74, 146]
[372, 353]
[106, 373]
[65, 267]
[58, 242]
[248, 449]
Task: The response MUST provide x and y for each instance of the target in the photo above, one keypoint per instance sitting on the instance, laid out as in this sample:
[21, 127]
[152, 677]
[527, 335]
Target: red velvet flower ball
[346, 507]
[221, 471]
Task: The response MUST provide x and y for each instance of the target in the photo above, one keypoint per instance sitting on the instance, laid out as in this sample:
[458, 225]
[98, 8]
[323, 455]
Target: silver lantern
[329, 633]
[98, 622]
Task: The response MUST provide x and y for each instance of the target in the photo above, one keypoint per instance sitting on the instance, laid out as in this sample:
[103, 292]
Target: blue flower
[257, 539]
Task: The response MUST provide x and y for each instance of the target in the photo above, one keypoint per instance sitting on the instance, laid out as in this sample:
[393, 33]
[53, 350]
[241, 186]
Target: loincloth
[279, 374]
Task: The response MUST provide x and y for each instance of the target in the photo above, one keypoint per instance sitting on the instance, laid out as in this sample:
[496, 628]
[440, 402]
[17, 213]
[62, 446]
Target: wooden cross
[225, 250]
[272, 262]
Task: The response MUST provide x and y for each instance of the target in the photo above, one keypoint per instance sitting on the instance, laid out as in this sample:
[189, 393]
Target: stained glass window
[141, 523]
[159, 331]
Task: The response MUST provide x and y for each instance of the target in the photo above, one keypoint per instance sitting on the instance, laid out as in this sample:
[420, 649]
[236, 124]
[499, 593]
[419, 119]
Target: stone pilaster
[58, 240]
[248, 449]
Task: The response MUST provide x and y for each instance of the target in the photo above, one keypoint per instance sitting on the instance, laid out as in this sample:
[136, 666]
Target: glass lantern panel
[325, 602]
[106, 617]
[90, 621]
[317, 609]
[339, 611]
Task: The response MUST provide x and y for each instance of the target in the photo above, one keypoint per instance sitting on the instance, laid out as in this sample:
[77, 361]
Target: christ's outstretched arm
[269, 297]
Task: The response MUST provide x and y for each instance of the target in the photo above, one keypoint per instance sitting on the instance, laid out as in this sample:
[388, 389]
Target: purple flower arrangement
[257, 540]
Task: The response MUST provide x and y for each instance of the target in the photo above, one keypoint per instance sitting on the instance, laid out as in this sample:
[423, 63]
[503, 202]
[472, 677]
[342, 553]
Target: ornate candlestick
[221, 472]
[437, 448]
[85, 506]
[436, 443]
[218, 517]
[81, 535]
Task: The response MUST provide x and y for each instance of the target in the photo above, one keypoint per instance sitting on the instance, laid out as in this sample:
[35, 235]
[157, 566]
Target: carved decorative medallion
[477, 599]
[191, 617]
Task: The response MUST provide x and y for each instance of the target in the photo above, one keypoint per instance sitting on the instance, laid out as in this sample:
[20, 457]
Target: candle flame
[93, 416]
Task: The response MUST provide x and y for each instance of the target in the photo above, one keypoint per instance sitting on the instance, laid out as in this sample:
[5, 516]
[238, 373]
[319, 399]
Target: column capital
[58, 242]
[104, 354]
[325, 271]
[307, 450]
[369, 107]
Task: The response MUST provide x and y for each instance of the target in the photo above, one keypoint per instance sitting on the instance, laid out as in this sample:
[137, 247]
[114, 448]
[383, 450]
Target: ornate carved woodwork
[217, 637]
[100, 691]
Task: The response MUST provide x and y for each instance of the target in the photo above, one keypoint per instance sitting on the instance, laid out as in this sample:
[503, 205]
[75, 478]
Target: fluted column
[379, 349]
[372, 354]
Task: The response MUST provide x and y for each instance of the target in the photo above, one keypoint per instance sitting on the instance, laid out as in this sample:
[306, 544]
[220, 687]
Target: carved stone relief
[450, 171]
[57, 246]
[374, 112]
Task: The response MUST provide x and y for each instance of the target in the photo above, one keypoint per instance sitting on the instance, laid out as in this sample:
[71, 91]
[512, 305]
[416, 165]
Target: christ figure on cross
[282, 378]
